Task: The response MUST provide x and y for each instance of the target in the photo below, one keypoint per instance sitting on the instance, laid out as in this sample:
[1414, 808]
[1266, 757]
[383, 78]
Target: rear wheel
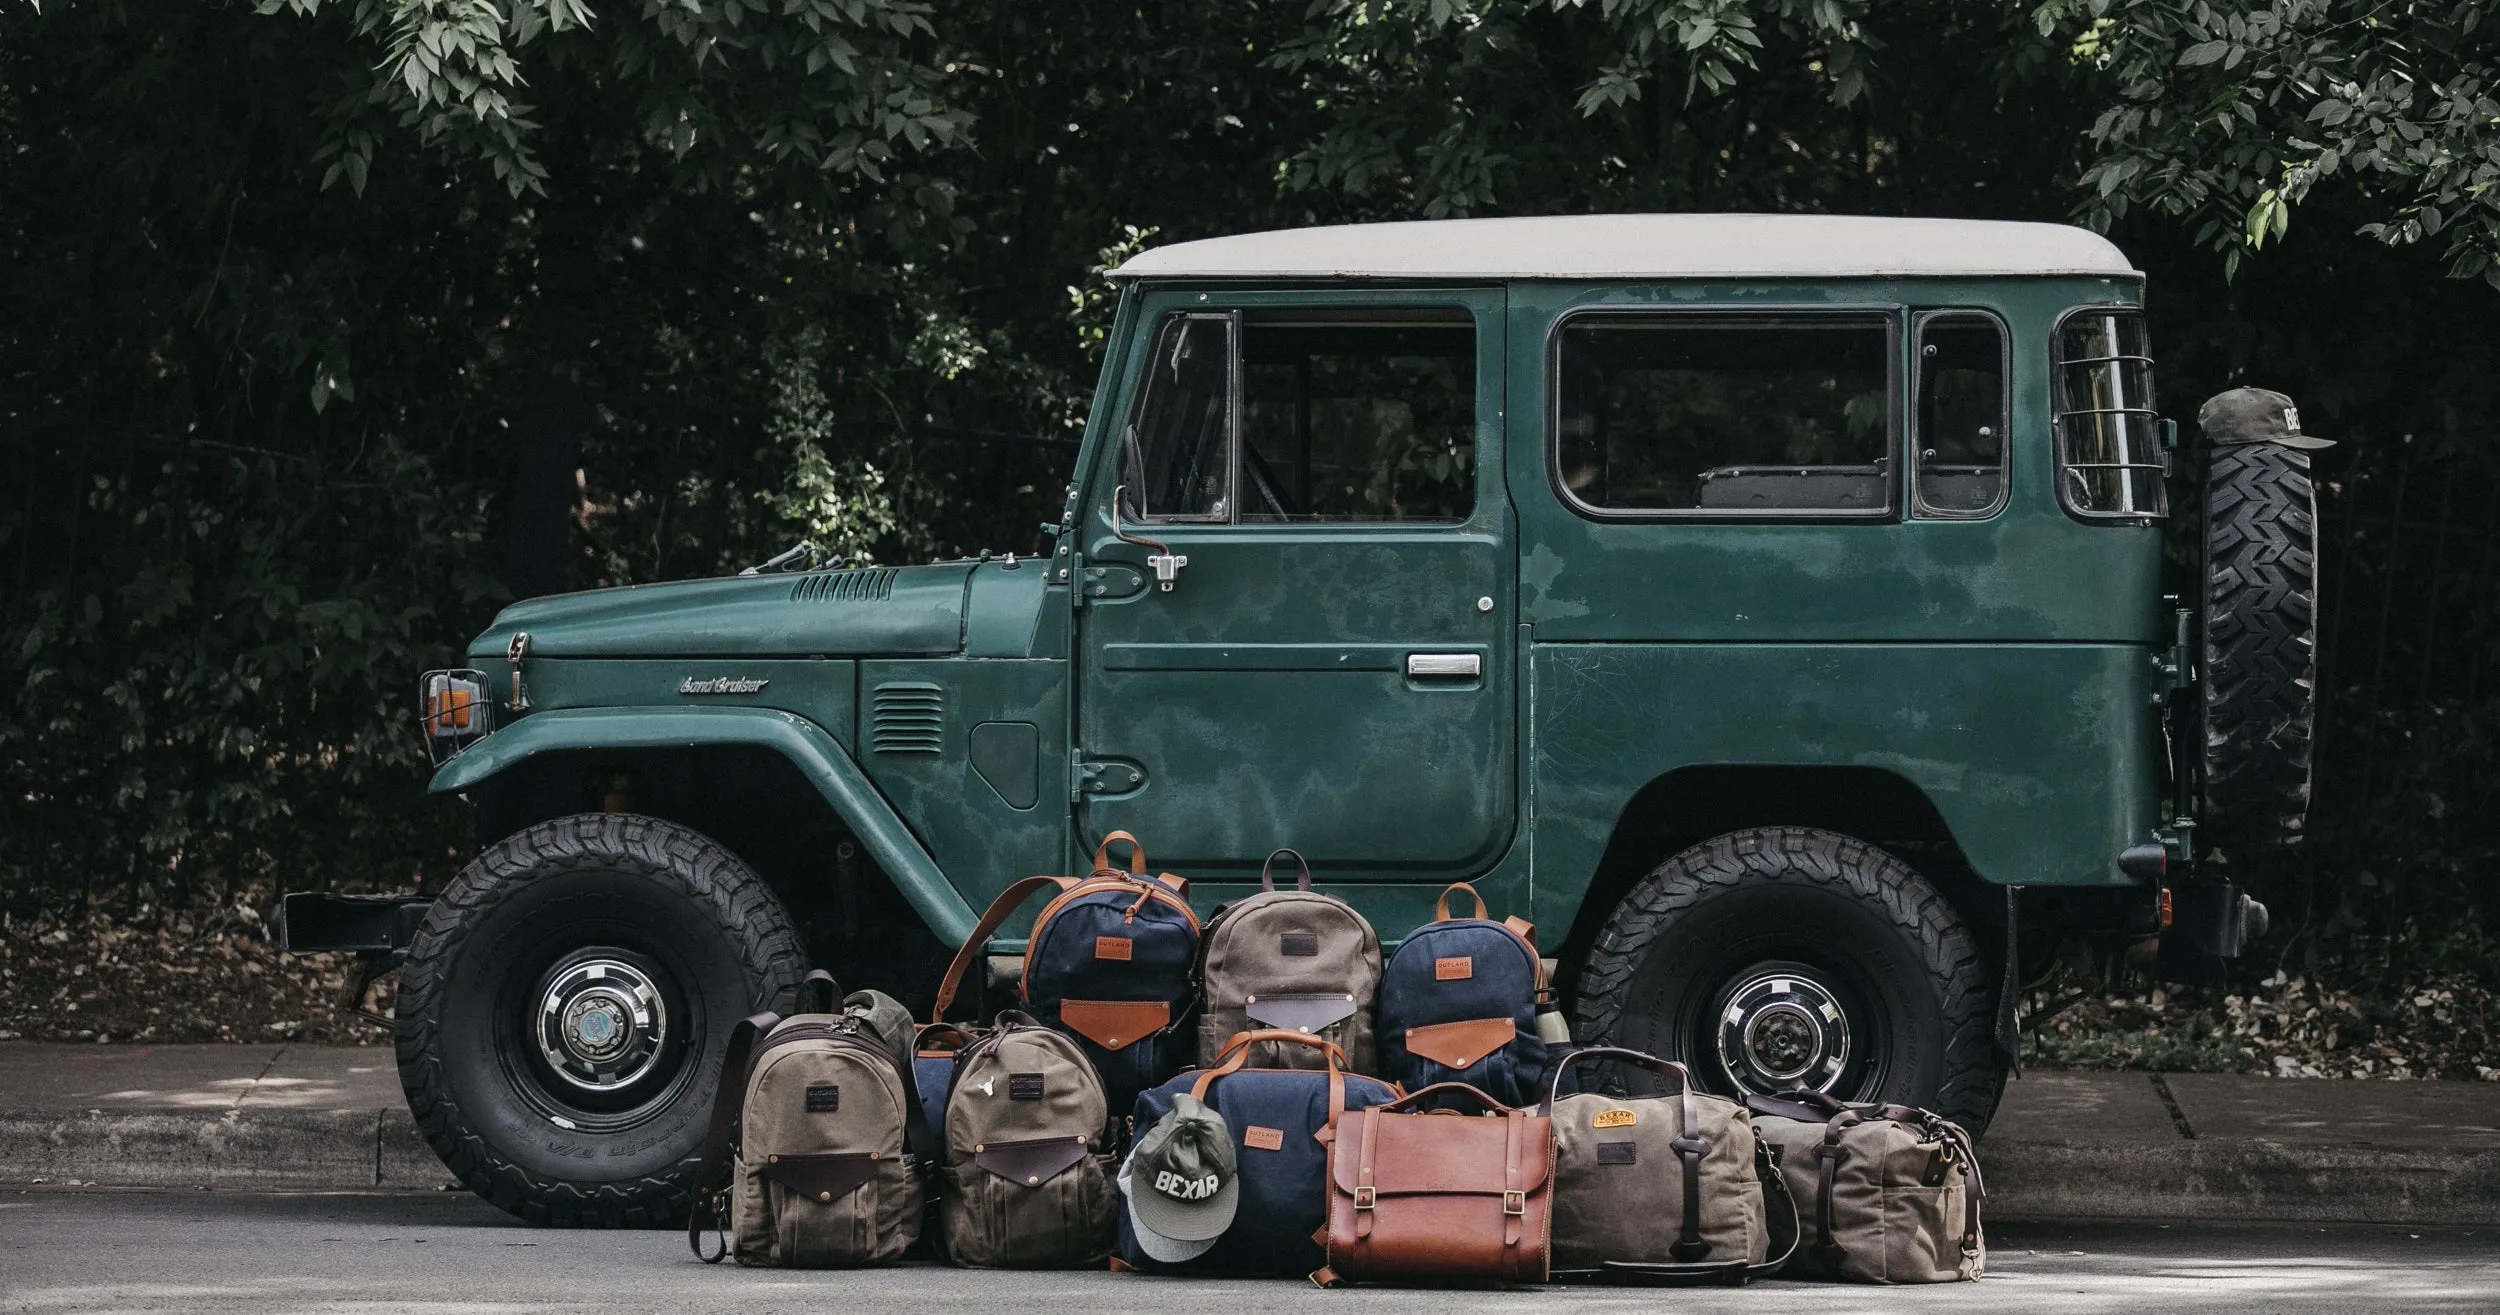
[564, 1007]
[1778, 958]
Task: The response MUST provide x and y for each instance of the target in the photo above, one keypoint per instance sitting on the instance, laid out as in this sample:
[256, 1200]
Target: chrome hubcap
[601, 1023]
[1782, 1029]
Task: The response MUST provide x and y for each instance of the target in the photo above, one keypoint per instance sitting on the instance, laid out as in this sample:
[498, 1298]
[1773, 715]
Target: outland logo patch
[826, 1099]
[1113, 947]
[1024, 1086]
[1457, 969]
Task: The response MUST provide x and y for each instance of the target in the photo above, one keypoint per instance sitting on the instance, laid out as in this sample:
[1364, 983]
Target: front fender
[803, 742]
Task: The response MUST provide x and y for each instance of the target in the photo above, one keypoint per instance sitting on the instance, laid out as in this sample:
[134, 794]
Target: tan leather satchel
[1439, 1195]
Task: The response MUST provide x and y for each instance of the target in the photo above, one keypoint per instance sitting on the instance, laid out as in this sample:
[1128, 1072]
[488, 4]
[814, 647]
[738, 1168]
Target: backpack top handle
[1267, 872]
[1136, 855]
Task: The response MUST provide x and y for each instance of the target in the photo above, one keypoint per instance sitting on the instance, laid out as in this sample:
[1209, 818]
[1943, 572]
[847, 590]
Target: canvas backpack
[816, 1144]
[1282, 1119]
[1458, 1003]
[1029, 1155]
[1292, 960]
[1110, 961]
[1885, 1193]
[1667, 1187]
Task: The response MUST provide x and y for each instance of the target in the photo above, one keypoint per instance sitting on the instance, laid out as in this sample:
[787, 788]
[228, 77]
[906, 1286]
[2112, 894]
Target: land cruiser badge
[721, 685]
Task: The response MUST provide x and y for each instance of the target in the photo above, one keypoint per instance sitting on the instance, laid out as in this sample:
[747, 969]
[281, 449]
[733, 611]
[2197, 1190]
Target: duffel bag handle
[1236, 1056]
[818, 992]
[1665, 1068]
[1136, 854]
[1267, 879]
[1441, 910]
[1798, 1103]
[1407, 1102]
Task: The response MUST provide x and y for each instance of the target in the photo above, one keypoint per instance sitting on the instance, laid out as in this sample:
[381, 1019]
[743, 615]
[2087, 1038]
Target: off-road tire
[616, 870]
[1788, 887]
[2261, 646]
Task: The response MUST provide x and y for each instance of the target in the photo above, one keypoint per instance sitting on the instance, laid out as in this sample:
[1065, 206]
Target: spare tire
[2261, 646]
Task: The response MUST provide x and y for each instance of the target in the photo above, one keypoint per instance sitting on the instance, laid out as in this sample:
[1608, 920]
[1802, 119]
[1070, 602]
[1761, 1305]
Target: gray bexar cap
[2254, 415]
[1182, 1178]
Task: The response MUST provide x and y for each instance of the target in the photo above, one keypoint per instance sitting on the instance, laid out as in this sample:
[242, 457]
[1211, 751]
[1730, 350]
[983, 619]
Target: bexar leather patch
[1298, 945]
[1265, 1139]
[1456, 969]
[1618, 1152]
[1112, 947]
[1615, 1119]
[1024, 1086]
[824, 1100]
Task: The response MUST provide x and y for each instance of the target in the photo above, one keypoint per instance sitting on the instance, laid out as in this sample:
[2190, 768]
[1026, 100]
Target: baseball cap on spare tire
[2254, 415]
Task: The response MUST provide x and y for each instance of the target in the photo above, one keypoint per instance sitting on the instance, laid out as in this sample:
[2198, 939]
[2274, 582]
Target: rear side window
[2108, 437]
[1725, 415]
[1962, 406]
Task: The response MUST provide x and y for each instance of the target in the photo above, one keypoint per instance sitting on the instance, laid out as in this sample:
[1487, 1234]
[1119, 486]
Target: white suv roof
[1643, 247]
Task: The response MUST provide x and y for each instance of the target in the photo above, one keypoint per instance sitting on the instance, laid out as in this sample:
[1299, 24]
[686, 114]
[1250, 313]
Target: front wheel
[1778, 958]
[564, 1007]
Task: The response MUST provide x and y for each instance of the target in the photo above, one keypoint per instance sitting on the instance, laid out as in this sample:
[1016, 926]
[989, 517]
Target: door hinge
[1104, 776]
[1104, 581]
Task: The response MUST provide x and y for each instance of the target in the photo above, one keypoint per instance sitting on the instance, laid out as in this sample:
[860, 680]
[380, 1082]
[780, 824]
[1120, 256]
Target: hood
[880, 609]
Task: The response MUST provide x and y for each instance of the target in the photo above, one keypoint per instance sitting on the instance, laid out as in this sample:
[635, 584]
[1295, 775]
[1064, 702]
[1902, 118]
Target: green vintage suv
[1771, 608]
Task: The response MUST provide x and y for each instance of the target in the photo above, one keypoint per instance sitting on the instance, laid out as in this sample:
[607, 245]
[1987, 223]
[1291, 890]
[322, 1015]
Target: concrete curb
[2242, 1180]
[263, 1149]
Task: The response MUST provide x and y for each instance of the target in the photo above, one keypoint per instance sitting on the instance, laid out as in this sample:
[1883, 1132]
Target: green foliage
[2229, 116]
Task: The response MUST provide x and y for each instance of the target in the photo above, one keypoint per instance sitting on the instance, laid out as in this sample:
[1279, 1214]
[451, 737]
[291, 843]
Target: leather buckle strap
[1515, 1203]
[1365, 1196]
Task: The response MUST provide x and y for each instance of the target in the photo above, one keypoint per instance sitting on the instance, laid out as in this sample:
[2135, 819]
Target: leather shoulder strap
[992, 919]
[712, 1175]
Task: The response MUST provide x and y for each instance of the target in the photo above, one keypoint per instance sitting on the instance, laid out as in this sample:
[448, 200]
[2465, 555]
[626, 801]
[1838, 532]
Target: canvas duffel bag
[1885, 1193]
[1458, 1003]
[1670, 1187]
[816, 1147]
[1027, 1182]
[1280, 1121]
[1439, 1195]
[1296, 960]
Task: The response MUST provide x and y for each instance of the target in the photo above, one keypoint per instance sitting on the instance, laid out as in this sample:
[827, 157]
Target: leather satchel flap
[827, 1177]
[1440, 1154]
[1031, 1163]
[1460, 1044]
[1115, 1024]
[1302, 1013]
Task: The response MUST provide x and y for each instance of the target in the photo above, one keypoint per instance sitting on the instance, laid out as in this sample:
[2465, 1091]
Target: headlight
[454, 711]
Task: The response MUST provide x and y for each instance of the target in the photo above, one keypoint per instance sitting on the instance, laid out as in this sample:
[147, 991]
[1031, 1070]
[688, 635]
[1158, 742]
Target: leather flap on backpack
[826, 1177]
[1115, 1024]
[1460, 1044]
[1300, 1013]
[1031, 1163]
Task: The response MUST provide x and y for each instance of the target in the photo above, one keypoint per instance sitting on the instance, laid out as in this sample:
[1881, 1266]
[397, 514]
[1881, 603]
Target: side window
[1341, 418]
[1355, 421]
[1176, 454]
[1726, 415]
[2108, 438]
[1962, 414]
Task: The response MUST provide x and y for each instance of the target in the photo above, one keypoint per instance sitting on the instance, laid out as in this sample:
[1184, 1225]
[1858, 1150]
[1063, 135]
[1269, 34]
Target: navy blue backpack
[1458, 1004]
[1109, 962]
[1281, 1124]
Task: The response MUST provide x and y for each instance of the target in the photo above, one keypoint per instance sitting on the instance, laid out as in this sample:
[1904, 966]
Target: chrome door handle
[1444, 664]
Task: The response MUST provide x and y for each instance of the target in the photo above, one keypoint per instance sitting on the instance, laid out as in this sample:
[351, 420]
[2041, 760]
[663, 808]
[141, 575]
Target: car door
[1330, 666]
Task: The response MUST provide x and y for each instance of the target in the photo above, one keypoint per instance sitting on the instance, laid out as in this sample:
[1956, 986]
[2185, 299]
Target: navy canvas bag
[1278, 1119]
[1109, 962]
[1458, 1004]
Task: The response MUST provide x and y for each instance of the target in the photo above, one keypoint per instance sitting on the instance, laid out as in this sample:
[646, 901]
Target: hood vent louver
[866, 585]
[906, 717]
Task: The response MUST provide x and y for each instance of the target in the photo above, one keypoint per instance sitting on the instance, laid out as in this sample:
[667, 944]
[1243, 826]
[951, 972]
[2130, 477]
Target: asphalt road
[110, 1251]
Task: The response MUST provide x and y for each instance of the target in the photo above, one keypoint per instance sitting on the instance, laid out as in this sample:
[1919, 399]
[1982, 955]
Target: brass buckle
[1514, 1203]
[1363, 1198]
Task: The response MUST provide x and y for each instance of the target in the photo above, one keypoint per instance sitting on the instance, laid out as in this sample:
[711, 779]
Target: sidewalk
[2064, 1146]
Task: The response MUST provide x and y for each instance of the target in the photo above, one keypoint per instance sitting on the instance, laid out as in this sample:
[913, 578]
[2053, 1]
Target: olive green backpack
[1671, 1187]
[1885, 1193]
[817, 1142]
[1294, 960]
[1029, 1160]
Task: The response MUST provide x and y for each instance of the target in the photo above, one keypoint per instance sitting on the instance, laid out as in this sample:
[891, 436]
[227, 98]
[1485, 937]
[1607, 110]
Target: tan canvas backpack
[1669, 1186]
[817, 1142]
[1295, 961]
[1029, 1165]
[1885, 1193]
